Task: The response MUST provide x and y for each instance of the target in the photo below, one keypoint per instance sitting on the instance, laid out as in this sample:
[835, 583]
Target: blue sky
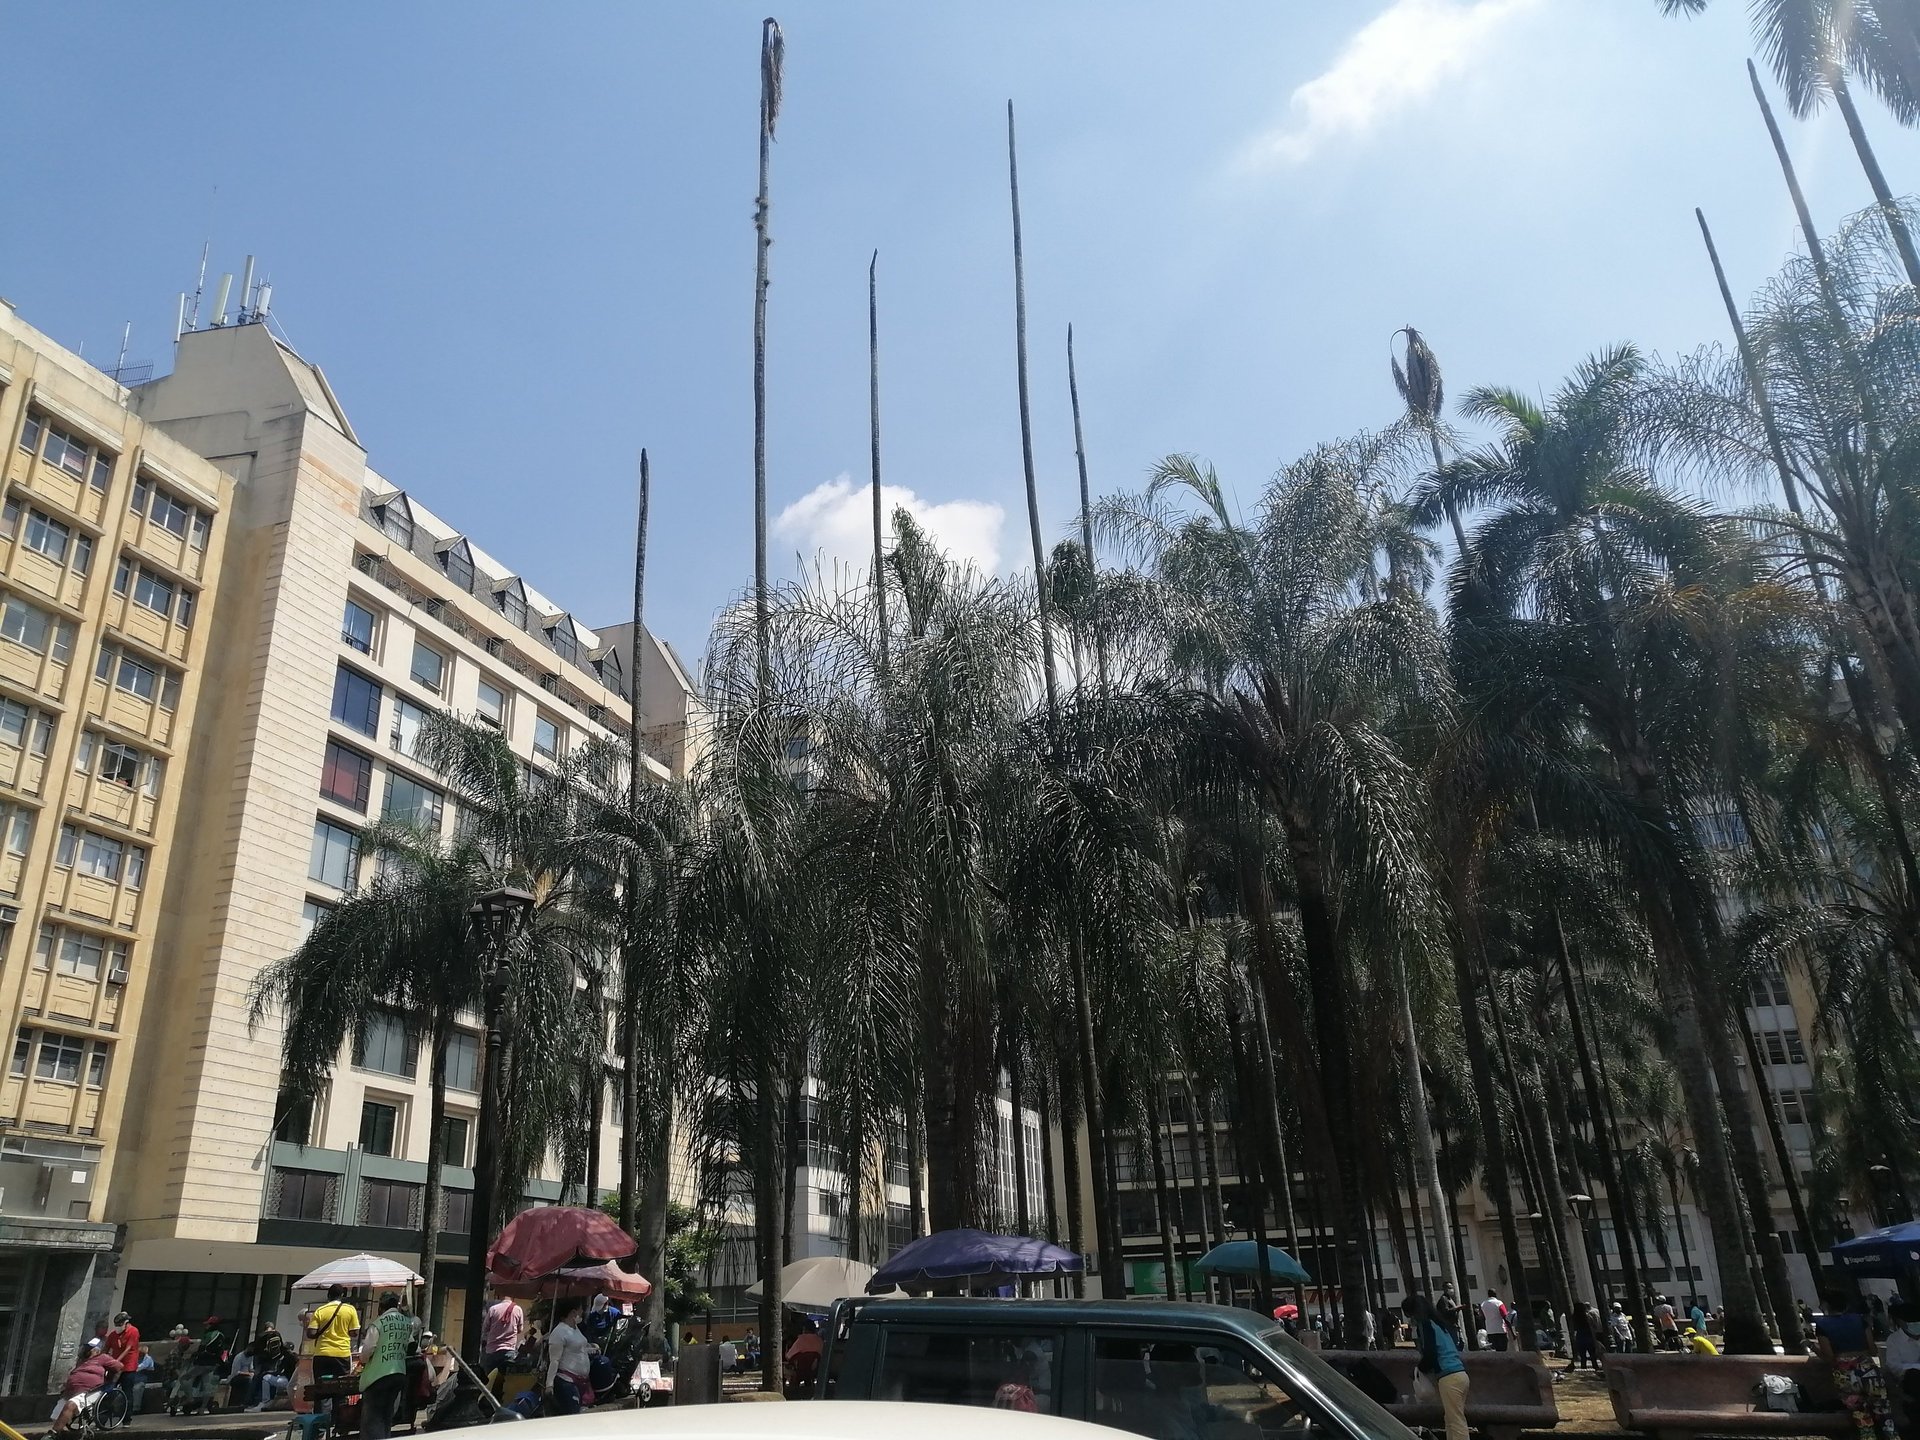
[518, 238]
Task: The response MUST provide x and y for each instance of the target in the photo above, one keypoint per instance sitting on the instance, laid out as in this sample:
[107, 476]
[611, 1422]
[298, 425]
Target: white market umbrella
[816, 1283]
[356, 1272]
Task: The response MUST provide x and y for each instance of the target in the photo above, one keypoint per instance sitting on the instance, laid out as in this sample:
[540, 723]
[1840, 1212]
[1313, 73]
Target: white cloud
[836, 519]
[1398, 58]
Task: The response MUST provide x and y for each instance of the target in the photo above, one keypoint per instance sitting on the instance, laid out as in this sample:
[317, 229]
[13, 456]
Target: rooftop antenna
[220, 299]
[120, 364]
[246, 293]
[180, 319]
[262, 301]
[200, 284]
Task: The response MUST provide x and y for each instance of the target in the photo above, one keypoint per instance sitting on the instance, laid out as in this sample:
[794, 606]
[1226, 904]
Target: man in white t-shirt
[1493, 1316]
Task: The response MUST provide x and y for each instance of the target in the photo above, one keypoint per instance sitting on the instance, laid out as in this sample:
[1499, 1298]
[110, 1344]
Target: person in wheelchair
[96, 1372]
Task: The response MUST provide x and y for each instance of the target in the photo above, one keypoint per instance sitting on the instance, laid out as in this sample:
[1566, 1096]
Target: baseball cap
[93, 1343]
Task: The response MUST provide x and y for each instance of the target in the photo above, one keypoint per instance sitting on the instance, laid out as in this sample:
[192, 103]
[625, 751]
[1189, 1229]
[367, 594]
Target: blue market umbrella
[947, 1256]
[1242, 1257]
[1889, 1254]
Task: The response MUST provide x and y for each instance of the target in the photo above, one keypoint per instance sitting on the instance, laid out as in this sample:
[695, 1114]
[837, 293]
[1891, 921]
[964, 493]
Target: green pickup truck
[1170, 1370]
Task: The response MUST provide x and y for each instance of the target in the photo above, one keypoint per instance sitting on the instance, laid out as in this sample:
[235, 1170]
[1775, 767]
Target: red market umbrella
[584, 1281]
[547, 1238]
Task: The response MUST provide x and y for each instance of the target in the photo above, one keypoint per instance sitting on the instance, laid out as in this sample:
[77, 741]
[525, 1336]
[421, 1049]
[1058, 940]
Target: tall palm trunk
[1016, 1100]
[1333, 1028]
[1080, 1000]
[1425, 1163]
[873, 432]
[917, 1161]
[1467, 969]
[1859, 700]
[769, 1200]
[1746, 1329]
[1870, 163]
[1163, 1198]
[772, 56]
[433, 1200]
[1603, 1144]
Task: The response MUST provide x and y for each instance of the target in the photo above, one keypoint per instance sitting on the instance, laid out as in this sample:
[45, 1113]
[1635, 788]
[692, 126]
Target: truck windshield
[1306, 1370]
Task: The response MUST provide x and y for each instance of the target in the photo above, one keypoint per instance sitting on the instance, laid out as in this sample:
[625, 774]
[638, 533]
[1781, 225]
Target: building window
[67, 451]
[493, 705]
[172, 514]
[114, 761]
[22, 1052]
[458, 1212]
[408, 720]
[463, 1062]
[458, 564]
[356, 701]
[356, 627]
[390, 1204]
[34, 629]
[395, 519]
[293, 1118]
[151, 592]
[453, 1141]
[61, 1057]
[137, 678]
[512, 600]
[546, 738]
[75, 952]
[98, 856]
[303, 1195]
[336, 855]
[411, 803]
[563, 640]
[347, 777]
[97, 1065]
[19, 724]
[387, 1044]
[1796, 1049]
[378, 1121]
[55, 540]
[311, 914]
[429, 667]
[16, 825]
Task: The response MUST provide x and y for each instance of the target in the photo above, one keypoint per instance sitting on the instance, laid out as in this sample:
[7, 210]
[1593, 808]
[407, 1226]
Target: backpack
[1777, 1394]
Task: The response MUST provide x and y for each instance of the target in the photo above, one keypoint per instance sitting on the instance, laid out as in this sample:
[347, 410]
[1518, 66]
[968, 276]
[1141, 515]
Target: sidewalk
[184, 1427]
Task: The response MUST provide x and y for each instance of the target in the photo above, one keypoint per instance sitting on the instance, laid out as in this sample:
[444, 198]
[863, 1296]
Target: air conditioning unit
[117, 977]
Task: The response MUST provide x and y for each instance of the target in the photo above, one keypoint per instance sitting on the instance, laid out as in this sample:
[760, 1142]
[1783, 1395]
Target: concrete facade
[157, 852]
[111, 540]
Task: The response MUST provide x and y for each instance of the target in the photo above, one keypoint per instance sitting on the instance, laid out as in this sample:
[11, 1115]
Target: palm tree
[404, 943]
[1292, 654]
[1810, 42]
[1615, 616]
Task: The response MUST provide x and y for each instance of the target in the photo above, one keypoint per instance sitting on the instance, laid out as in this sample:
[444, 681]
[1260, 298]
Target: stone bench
[1678, 1397]
[1508, 1391]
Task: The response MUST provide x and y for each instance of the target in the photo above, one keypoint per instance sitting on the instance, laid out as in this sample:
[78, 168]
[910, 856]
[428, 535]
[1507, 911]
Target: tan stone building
[218, 532]
[111, 536]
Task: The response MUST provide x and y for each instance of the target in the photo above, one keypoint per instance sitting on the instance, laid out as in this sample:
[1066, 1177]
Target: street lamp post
[493, 918]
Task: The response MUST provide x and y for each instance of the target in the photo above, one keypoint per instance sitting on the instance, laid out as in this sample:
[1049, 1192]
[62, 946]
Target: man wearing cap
[193, 1391]
[96, 1370]
[123, 1341]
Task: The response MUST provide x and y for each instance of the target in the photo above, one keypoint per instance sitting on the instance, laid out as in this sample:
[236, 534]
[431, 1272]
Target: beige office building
[111, 534]
[218, 533]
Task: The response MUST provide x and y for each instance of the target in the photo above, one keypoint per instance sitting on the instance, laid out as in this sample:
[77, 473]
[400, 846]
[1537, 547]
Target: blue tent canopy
[1889, 1254]
[947, 1256]
[1242, 1257]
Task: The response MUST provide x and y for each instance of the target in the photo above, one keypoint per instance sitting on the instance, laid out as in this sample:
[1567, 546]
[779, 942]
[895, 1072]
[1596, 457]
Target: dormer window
[563, 639]
[512, 600]
[457, 561]
[395, 519]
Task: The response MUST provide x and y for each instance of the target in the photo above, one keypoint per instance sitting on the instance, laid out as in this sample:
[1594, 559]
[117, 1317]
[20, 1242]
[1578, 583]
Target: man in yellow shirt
[332, 1331]
[1694, 1343]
